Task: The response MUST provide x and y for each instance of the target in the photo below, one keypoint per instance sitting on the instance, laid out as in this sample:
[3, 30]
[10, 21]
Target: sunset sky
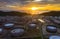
[10, 5]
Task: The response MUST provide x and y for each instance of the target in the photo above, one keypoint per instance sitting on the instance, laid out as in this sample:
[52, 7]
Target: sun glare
[37, 0]
[34, 8]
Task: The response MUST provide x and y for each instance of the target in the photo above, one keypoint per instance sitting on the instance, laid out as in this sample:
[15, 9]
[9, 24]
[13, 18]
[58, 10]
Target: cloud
[5, 3]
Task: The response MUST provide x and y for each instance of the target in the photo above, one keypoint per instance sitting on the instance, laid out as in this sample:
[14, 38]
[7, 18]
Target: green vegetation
[51, 13]
[38, 38]
[13, 13]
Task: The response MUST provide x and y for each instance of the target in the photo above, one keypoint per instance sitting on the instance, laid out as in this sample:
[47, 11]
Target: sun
[37, 0]
[34, 8]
